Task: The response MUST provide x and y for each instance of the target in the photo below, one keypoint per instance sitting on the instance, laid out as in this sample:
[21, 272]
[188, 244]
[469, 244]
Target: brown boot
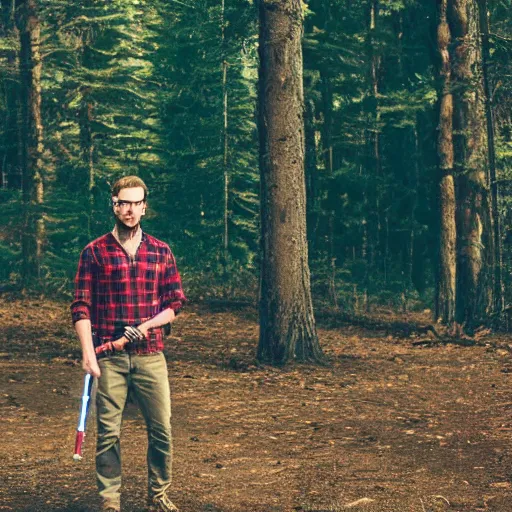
[110, 506]
[162, 504]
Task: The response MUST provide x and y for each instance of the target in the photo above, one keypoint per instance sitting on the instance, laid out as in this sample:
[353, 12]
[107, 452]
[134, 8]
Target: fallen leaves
[255, 437]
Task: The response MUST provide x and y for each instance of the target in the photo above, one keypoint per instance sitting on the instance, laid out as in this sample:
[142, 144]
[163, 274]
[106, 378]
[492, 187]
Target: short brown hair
[128, 182]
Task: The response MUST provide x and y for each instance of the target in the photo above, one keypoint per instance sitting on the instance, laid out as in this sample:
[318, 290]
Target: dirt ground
[386, 426]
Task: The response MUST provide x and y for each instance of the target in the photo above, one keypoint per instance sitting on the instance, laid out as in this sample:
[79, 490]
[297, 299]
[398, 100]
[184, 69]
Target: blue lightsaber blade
[82, 422]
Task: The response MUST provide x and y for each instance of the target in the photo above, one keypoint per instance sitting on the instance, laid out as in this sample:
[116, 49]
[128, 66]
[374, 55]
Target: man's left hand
[134, 334]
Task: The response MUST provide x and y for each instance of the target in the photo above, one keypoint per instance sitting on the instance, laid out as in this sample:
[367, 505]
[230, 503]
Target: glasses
[125, 205]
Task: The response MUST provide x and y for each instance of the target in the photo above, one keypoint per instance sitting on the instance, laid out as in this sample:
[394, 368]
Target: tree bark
[31, 137]
[446, 277]
[499, 303]
[375, 254]
[225, 142]
[287, 324]
[409, 255]
[473, 216]
[329, 164]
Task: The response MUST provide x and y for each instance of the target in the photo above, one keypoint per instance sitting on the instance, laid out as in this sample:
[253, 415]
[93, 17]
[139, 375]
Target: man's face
[129, 206]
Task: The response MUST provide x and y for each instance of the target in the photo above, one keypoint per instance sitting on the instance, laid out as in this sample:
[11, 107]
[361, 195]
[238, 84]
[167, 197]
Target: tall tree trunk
[10, 173]
[225, 141]
[474, 241]
[411, 171]
[411, 243]
[499, 303]
[331, 151]
[373, 165]
[446, 276]
[32, 137]
[287, 324]
[329, 163]
[364, 241]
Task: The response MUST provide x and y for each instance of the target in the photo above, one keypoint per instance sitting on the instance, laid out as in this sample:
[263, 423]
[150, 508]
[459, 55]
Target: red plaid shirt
[112, 290]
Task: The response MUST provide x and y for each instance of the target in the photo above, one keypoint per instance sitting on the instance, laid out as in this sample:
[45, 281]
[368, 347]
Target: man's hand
[133, 333]
[90, 365]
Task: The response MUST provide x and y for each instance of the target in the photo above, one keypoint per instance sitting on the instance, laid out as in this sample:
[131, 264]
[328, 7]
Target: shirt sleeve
[81, 305]
[170, 290]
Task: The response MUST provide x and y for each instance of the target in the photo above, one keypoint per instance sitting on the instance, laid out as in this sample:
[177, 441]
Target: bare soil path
[387, 426]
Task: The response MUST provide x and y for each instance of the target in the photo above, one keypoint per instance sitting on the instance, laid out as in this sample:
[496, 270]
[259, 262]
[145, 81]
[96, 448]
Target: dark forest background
[168, 90]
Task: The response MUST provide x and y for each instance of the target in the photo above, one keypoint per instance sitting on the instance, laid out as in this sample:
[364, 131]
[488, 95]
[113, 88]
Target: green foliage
[189, 67]
[133, 87]
[373, 89]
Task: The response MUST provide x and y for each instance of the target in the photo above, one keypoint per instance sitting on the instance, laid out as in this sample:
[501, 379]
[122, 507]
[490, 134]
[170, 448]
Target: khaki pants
[147, 376]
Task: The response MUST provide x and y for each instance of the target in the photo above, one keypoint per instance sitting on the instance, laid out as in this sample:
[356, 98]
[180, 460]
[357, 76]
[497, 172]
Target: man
[127, 289]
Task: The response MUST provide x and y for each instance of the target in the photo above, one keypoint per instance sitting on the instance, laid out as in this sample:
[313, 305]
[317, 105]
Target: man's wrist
[90, 358]
[88, 351]
[143, 329]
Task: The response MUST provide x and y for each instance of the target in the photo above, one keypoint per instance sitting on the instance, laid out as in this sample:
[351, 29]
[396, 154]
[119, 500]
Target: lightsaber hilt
[82, 421]
[110, 347]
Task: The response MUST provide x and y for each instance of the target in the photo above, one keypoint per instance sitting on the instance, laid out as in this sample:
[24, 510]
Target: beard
[124, 230]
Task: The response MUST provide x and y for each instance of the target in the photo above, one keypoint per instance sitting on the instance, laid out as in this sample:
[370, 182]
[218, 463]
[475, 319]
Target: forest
[404, 138]
[334, 178]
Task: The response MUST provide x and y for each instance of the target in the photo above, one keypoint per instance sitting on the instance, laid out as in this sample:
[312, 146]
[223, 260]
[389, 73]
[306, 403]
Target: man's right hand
[90, 365]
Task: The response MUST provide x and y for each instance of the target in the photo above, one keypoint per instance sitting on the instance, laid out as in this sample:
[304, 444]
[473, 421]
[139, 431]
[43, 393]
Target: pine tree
[287, 324]
[31, 130]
